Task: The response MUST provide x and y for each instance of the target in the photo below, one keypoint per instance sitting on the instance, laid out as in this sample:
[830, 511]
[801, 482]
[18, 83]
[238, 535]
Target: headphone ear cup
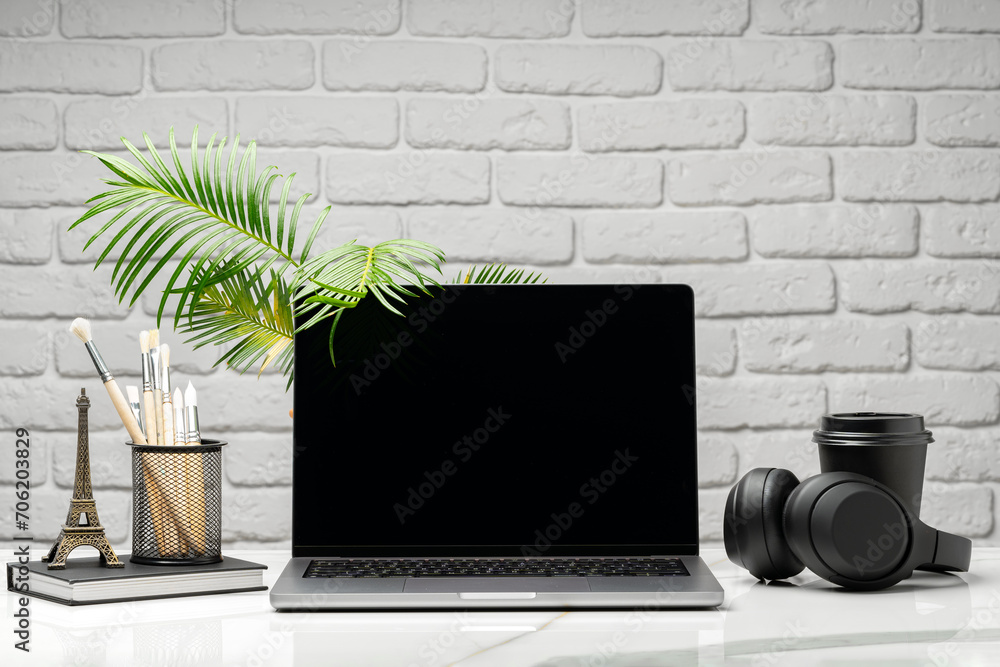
[849, 529]
[753, 530]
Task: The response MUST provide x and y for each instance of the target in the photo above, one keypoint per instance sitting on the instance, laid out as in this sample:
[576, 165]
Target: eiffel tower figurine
[82, 526]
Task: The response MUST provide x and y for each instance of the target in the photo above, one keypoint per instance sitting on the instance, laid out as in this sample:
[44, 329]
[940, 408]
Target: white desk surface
[927, 620]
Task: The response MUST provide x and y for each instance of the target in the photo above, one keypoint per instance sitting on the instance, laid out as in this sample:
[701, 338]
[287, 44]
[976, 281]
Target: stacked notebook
[84, 581]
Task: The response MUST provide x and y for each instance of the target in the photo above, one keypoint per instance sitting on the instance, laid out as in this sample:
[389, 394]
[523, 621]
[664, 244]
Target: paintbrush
[154, 478]
[154, 357]
[195, 481]
[168, 413]
[147, 388]
[180, 432]
[191, 411]
[81, 329]
[188, 462]
[133, 402]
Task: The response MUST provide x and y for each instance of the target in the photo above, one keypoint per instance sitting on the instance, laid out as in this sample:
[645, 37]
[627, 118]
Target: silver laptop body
[498, 445]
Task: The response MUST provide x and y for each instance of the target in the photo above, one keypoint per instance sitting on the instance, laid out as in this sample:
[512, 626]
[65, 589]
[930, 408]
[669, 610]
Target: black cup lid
[872, 428]
[873, 422]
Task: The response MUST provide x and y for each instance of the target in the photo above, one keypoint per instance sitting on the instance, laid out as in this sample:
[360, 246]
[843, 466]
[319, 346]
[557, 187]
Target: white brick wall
[824, 174]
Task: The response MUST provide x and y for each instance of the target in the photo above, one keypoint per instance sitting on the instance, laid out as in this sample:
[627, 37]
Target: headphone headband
[846, 528]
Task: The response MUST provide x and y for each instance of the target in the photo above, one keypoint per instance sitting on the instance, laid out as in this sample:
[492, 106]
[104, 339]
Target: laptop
[499, 446]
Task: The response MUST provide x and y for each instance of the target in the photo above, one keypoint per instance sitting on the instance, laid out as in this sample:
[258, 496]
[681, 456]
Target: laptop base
[292, 591]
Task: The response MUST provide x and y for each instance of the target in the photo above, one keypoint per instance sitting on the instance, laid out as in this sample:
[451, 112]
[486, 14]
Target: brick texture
[963, 15]
[27, 236]
[142, 18]
[759, 402]
[781, 345]
[958, 343]
[539, 19]
[27, 18]
[640, 126]
[320, 121]
[835, 16]
[958, 399]
[99, 124]
[403, 65]
[362, 17]
[27, 348]
[49, 178]
[931, 287]
[963, 120]
[617, 18]
[779, 289]
[664, 237]
[580, 181]
[482, 235]
[716, 348]
[961, 231]
[916, 64]
[972, 176]
[964, 455]
[222, 65]
[830, 120]
[750, 65]
[761, 177]
[411, 178]
[823, 173]
[835, 231]
[473, 123]
[28, 124]
[578, 70]
[97, 68]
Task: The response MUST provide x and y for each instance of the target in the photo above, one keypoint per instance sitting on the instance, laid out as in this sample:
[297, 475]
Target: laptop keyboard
[373, 568]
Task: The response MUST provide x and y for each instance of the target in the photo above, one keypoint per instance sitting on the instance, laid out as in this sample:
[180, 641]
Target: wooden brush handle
[125, 412]
[158, 409]
[168, 424]
[147, 400]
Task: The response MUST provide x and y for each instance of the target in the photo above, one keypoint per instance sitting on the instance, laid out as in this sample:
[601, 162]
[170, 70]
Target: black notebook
[84, 581]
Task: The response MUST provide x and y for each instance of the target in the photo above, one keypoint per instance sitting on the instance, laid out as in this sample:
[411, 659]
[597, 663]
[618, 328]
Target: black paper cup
[889, 447]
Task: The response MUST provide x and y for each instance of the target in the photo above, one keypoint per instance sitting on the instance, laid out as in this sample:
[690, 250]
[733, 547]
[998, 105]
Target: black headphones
[846, 528]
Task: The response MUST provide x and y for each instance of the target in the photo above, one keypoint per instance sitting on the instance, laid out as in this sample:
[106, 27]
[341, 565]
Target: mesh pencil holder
[177, 503]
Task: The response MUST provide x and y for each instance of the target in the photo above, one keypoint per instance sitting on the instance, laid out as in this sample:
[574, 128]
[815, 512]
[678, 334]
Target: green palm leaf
[248, 312]
[239, 275]
[497, 274]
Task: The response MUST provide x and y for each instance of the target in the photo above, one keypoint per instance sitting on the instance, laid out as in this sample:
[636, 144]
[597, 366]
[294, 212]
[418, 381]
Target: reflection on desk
[926, 620]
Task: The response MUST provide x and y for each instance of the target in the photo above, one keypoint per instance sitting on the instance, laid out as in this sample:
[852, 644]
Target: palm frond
[224, 217]
[339, 278]
[240, 269]
[251, 313]
[497, 274]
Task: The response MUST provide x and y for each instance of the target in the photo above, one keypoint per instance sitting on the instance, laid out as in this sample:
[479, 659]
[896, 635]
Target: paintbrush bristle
[133, 393]
[165, 355]
[144, 341]
[154, 337]
[81, 329]
[178, 400]
[190, 395]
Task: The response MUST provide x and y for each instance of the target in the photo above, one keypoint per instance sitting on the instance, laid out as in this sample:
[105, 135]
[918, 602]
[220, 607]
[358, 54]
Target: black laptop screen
[500, 420]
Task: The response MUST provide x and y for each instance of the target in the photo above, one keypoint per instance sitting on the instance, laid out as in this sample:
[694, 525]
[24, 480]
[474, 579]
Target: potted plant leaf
[244, 268]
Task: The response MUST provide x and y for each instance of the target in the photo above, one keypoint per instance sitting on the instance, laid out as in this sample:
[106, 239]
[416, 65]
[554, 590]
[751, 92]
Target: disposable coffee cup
[889, 447]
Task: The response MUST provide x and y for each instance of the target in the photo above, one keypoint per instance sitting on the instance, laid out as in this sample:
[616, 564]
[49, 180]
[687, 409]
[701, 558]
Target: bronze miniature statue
[82, 526]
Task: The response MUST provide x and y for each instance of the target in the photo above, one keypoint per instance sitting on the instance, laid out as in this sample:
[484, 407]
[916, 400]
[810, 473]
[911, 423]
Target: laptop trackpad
[497, 585]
